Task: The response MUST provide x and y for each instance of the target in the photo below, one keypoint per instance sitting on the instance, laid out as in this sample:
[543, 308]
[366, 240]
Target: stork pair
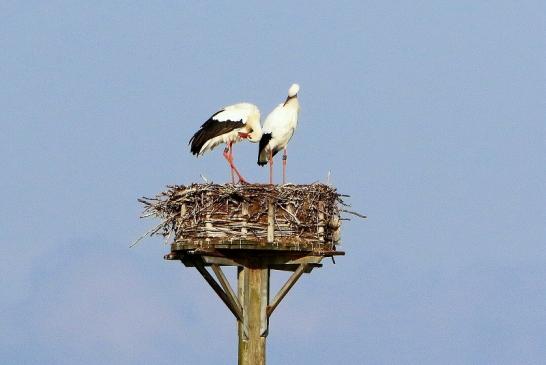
[241, 121]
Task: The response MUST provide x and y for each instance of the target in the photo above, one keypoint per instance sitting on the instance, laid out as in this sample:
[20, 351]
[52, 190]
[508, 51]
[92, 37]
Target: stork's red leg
[227, 156]
[241, 178]
[231, 164]
[284, 156]
[271, 166]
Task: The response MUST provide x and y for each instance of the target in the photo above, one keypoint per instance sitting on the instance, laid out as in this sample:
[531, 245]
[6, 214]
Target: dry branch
[209, 214]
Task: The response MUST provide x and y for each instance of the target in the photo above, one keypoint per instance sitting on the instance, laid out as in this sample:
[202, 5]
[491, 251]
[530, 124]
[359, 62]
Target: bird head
[256, 133]
[254, 127]
[293, 91]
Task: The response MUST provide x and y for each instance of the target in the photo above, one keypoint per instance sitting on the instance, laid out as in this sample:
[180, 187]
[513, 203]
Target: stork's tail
[196, 142]
[263, 156]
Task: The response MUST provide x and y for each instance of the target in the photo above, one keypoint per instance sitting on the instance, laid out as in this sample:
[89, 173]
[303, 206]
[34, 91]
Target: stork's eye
[251, 130]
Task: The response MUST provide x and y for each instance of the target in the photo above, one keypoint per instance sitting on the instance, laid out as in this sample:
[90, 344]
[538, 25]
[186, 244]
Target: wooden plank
[243, 245]
[255, 311]
[264, 302]
[244, 214]
[233, 249]
[265, 260]
[182, 216]
[241, 330]
[293, 268]
[227, 288]
[321, 223]
[285, 288]
[296, 261]
[215, 260]
[270, 222]
[246, 301]
[208, 224]
[209, 279]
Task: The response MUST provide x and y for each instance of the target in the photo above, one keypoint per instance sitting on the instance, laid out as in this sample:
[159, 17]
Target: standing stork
[278, 129]
[229, 125]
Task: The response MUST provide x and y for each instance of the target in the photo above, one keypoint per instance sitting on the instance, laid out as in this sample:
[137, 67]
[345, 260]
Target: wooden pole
[243, 335]
[236, 237]
[250, 303]
[253, 290]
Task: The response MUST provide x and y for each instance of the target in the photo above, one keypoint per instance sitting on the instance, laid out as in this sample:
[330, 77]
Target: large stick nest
[211, 214]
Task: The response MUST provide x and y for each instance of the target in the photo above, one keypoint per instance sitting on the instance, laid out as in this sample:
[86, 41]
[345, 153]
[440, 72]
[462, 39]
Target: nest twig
[212, 213]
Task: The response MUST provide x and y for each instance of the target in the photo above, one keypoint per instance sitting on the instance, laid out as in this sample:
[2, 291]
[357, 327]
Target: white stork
[278, 129]
[229, 125]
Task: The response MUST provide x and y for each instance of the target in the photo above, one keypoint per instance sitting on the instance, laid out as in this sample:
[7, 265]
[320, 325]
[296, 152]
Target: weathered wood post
[253, 292]
[255, 284]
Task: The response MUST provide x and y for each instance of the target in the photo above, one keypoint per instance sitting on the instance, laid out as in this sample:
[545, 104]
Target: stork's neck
[291, 100]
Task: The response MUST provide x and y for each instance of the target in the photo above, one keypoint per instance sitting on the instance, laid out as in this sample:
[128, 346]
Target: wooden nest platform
[256, 228]
[212, 217]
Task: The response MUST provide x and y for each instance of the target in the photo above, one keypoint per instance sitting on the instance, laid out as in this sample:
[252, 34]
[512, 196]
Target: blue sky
[430, 114]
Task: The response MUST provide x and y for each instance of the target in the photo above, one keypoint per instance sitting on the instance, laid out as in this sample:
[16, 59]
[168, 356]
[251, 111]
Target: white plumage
[278, 129]
[231, 124]
[226, 125]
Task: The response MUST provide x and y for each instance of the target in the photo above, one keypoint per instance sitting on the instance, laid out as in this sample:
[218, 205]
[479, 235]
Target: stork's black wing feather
[210, 129]
[262, 156]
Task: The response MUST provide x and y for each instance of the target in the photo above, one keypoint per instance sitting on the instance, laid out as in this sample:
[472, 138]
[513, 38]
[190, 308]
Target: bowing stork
[229, 125]
[278, 129]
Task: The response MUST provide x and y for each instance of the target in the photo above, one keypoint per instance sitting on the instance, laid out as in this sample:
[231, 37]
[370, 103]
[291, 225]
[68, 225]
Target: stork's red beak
[244, 135]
